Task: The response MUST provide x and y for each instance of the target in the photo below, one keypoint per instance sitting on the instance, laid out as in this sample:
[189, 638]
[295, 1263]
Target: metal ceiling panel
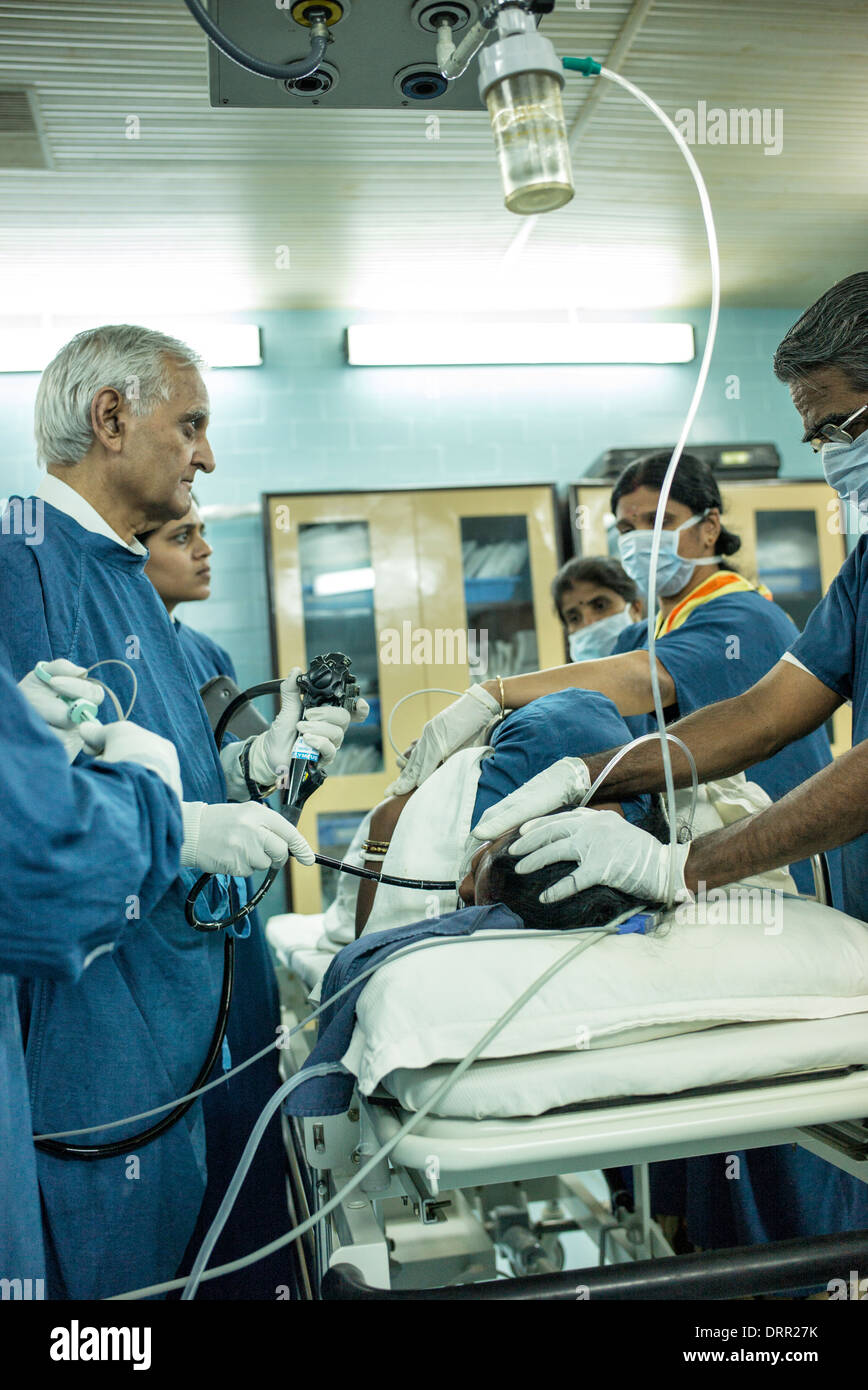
[156, 196]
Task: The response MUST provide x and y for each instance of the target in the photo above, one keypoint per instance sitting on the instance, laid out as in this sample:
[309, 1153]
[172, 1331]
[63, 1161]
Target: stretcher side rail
[779, 1267]
[752, 1115]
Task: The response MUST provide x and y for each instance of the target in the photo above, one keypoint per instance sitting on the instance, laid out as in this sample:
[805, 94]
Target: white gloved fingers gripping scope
[329, 681]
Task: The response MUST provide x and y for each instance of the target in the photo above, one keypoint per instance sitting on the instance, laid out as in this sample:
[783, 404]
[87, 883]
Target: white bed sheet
[435, 1004]
[528, 1086]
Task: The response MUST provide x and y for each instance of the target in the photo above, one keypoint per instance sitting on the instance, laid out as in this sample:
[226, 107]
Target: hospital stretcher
[432, 1215]
[459, 1188]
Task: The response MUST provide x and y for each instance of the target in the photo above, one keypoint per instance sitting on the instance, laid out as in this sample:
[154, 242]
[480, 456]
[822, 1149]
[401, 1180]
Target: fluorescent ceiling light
[492, 344]
[343, 582]
[30, 349]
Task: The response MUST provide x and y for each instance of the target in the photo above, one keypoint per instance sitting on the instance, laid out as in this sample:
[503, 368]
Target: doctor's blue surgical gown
[260, 1211]
[78, 843]
[834, 648]
[133, 1032]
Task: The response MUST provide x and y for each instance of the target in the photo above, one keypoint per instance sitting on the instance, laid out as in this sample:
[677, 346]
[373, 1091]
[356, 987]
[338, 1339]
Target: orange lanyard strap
[722, 582]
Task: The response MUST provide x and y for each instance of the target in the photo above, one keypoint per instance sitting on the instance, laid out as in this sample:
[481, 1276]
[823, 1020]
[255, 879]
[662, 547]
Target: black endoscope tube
[423, 885]
[264, 688]
[432, 885]
[61, 1149]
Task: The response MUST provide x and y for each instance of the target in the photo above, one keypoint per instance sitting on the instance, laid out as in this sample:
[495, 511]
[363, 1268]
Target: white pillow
[435, 1004]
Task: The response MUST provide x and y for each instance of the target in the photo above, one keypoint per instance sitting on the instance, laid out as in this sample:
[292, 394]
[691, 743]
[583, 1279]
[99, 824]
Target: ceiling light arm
[301, 67]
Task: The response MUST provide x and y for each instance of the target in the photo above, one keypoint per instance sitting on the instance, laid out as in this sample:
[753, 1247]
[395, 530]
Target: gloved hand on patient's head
[536, 893]
[556, 788]
[602, 848]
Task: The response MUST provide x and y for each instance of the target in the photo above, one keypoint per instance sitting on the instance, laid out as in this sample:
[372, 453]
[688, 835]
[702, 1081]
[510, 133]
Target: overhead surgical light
[30, 347]
[460, 343]
[521, 80]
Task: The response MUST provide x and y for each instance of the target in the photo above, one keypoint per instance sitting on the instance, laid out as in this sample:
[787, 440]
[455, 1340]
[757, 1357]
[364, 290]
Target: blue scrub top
[133, 1032]
[556, 726]
[205, 657]
[834, 648]
[102, 834]
[723, 648]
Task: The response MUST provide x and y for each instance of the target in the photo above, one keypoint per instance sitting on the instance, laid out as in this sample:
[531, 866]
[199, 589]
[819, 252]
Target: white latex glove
[323, 728]
[238, 840]
[67, 680]
[128, 743]
[605, 848]
[461, 725]
[562, 784]
[403, 758]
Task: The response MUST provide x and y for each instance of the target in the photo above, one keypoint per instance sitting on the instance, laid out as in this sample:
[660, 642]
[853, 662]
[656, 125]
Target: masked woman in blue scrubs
[180, 570]
[596, 600]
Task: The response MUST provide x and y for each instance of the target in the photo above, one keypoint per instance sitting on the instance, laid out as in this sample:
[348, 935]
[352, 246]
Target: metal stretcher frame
[824, 1112]
[678, 1126]
[733, 1273]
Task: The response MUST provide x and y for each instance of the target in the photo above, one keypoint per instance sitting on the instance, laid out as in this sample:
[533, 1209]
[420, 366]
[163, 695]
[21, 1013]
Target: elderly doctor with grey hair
[121, 427]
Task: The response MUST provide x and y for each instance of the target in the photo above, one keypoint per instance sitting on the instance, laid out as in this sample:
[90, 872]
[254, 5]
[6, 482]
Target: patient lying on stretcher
[426, 832]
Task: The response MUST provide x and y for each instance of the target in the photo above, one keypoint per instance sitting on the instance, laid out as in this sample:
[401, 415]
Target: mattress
[736, 1053]
[434, 1004]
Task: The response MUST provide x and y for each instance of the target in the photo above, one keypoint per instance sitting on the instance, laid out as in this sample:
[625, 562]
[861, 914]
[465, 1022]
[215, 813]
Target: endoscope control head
[330, 682]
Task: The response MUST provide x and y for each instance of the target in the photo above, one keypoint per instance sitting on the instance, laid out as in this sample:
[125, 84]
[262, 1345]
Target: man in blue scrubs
[121, 421]
[824, 360]
[108, 835]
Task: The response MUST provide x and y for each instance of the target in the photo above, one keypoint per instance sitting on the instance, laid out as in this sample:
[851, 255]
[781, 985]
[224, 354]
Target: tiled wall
[306, 421]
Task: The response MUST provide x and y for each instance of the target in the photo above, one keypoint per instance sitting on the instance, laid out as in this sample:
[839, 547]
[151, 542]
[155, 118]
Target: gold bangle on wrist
[499, 680]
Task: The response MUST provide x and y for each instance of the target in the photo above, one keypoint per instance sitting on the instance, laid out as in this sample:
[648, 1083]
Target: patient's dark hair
[593, 907]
